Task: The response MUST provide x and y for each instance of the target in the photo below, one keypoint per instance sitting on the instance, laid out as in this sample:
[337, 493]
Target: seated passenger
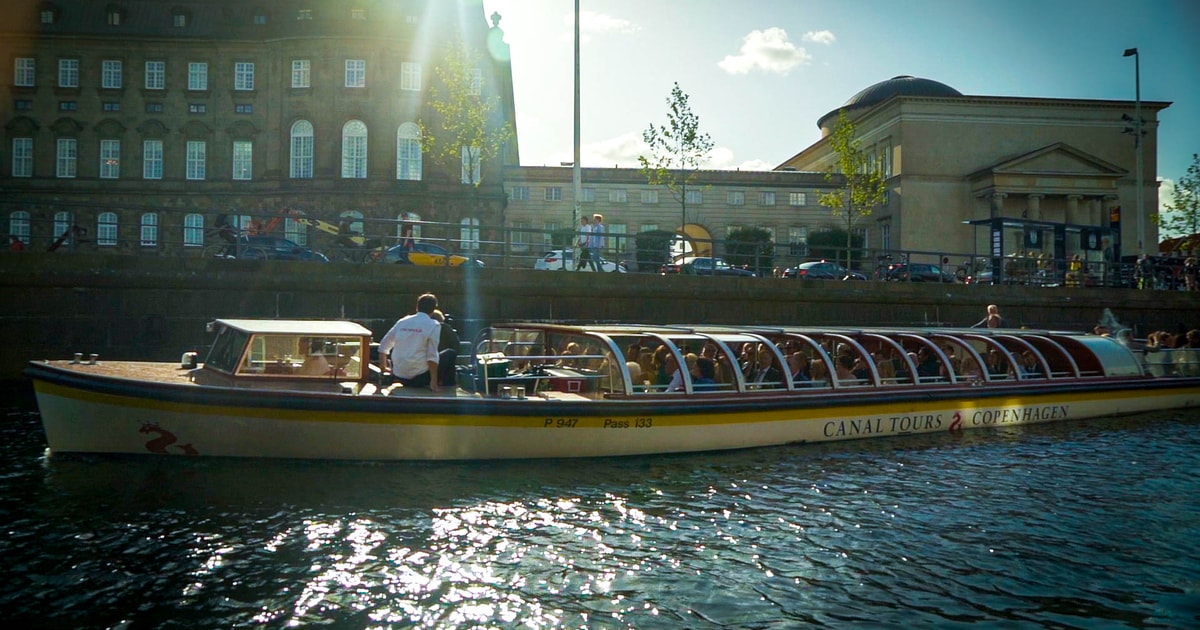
[1030, 366]
[707, 379]
[799, 366]
[763, 373]
[315, 363]
[928, 367]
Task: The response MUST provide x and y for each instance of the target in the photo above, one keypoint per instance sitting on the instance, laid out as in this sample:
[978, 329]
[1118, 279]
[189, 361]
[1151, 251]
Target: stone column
[1072, 208]
[997, 203]
[1034, 211]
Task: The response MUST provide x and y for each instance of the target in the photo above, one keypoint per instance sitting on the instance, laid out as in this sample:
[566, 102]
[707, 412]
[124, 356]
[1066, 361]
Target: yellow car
[427, 254]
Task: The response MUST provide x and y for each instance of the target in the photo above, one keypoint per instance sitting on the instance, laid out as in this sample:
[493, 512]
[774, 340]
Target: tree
[825, 244]
[751, 248]
[676, 150]
[466, 130]
[864, 186]
[1184, 212]
[653, 248]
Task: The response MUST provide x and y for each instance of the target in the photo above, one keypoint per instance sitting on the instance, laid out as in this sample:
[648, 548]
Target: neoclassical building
[142, 121]
[996, 175]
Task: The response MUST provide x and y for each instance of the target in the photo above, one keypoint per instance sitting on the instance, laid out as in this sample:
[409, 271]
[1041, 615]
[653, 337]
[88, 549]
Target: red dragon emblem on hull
[165, 439]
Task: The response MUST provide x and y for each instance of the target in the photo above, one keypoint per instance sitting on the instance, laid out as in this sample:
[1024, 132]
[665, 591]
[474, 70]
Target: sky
[759, 73]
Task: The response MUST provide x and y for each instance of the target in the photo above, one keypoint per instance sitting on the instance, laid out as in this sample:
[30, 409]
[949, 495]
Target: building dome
[896, 86]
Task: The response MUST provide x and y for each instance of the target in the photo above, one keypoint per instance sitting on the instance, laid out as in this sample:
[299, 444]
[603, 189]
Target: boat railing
[1172, 361]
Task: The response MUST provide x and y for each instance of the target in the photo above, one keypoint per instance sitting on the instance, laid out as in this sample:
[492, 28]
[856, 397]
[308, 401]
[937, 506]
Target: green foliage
[653, 248]
[676, 149]
[465, 115]
[563, 238]
[751, 248]
[1184, 212]
[863, 187]
[828, 244]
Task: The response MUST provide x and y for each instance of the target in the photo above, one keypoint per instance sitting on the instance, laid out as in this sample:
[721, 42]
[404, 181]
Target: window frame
[110, 158]
[354, 149]
[197, 76]
[107, 229]
[25, 72]
[243, 160]
[243, 76]
[68, 73]
[156, 75]
[196, 160]
[22, 156]
[410, 76]
[111, 74]
[193, 234]
[356, 73]
[300, 154]
[409, 159]
[152, 158]
[66, 158]
[301, 73]
[149, 229]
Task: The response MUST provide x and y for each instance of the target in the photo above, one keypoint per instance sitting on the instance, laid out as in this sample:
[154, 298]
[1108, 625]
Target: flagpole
[576, 175]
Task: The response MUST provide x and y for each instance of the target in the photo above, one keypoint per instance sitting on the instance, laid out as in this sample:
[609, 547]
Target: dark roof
[896, 86]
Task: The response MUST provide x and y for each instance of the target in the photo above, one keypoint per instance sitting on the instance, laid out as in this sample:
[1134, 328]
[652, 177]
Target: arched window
[469, 234]
[18, 225]
[295, 231]
[408, 152]
[302, 150]
[193, 230]
[354, 150]
[106, 229]
[62, 225]
[150, 229]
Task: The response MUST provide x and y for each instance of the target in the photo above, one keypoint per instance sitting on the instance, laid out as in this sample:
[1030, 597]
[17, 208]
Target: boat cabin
[308, 355]
[610, 361]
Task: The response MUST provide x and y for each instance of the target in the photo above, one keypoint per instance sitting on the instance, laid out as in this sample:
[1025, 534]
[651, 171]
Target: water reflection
[1053, 525]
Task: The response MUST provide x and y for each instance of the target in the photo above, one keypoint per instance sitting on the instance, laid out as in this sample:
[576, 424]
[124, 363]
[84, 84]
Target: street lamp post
[1137, 143]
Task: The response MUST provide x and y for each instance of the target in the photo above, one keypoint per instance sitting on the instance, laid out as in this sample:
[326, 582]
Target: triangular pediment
[1057, 159]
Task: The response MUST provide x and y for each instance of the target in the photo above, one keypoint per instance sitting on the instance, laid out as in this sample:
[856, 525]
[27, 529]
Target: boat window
[304, 356]
[226, 350]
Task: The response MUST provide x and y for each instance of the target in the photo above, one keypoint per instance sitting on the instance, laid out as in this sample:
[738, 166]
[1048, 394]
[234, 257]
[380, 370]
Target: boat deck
[134, 370]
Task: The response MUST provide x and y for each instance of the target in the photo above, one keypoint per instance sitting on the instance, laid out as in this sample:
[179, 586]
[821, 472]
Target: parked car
[706, 266]
[427, 254]
[554, 260]
[822, 270]
[269, 248]
[917, 272]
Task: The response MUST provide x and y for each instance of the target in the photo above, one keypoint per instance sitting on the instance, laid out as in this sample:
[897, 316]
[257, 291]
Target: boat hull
[93, 414]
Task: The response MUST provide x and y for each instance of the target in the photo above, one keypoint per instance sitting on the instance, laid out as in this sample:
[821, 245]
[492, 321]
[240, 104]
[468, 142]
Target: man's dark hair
[427, 303]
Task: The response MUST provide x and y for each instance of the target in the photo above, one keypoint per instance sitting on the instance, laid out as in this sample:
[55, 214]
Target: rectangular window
[520, 236]
[243, 152]
[304, 14]
[798, 241]
[358, 14]
[475, 81]
[179, 20]
[736, 198]
[47, 16]
[23, 104]
[156, 75]
[301, 73]
[68, 151]
[114, 18]
[694, 197]
[648, 227]
[193, 230]
[68, 73]
[106, 229]
[154, 108]
[519, 193]
[22, 157]
[110, 106]
[197, 108]
[618, 195]
[649, 196]
[196, 162]
[243, 76]
[24, 72]
[67, 106]
[150, 229]
[356, 73]
[553, 193]
[587, 194]
[110, 74]
[410, 76]
[797, 199]
[616, 237]
[198, 76]
[766, 198]
[110, 159]
[260, 19]
[152, 159]
[243, 108]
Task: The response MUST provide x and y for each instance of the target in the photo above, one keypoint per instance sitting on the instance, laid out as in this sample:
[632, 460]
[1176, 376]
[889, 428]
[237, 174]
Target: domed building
[998, 177]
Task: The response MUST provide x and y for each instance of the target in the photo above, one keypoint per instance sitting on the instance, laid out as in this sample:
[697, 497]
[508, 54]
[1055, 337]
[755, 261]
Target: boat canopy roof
[314, 327]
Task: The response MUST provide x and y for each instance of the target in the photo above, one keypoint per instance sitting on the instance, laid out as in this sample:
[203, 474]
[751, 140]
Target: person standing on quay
[582, 241]
[596, 241]
[992, 319]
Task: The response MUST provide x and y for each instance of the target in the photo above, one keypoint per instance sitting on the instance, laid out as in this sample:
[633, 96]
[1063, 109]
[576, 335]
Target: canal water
[1081, 525]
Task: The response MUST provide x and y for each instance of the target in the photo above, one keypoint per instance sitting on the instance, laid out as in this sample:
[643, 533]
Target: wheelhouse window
[354, 150]
[302, 150]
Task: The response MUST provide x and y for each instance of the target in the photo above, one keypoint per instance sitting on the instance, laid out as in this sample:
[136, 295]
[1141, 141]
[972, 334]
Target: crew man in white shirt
[411, 346]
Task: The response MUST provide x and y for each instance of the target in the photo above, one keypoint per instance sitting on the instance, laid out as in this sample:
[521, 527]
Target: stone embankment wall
[124, 307]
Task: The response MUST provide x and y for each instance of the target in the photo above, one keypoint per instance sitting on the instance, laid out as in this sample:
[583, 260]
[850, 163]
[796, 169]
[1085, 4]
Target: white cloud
[819, 37]
[593, 23]
[769, 51]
